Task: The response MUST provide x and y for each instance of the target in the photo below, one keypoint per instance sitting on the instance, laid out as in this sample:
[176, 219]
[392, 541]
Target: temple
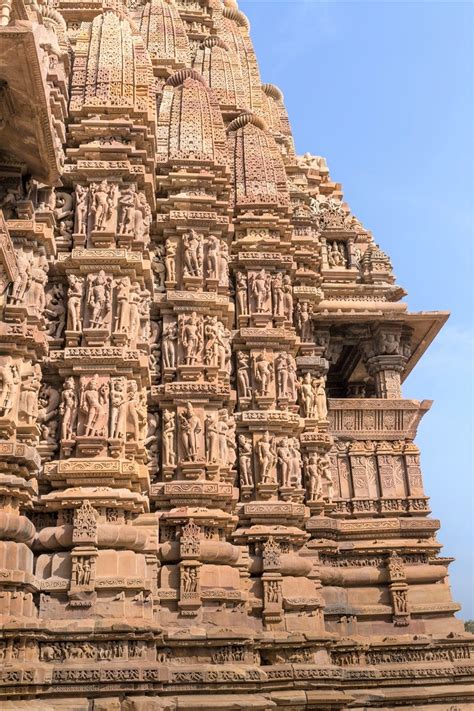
[210, 494]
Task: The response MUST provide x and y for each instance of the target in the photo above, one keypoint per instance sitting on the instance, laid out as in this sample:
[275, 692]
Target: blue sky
[384, 90]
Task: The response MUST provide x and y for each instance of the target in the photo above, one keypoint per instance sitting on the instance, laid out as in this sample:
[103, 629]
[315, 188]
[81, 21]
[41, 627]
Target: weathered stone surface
[210, 495]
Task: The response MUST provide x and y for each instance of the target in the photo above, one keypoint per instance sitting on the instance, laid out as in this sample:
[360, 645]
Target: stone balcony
[376, 419]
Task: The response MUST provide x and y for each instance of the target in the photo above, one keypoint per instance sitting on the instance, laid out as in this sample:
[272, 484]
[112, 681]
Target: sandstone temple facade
[210, 494]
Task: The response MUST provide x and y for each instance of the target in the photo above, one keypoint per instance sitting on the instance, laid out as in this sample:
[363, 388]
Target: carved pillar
[385, 354]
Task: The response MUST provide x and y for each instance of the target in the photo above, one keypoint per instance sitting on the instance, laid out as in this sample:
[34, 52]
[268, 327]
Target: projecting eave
[27, 133]
[426, 325]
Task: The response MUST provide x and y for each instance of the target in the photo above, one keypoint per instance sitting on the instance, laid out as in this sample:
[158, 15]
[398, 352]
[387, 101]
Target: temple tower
[210, 491]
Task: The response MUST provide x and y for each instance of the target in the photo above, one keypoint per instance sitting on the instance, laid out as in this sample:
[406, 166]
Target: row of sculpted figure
[202, 340]
[209, 438]
[19, 389]
[199, 256]
[264, 293]
[28, 288]
[98, 302]
[107, 207]
[278, 461]
[98, 408]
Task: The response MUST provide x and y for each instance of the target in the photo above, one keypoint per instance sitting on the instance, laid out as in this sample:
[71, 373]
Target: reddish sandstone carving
[210, 495]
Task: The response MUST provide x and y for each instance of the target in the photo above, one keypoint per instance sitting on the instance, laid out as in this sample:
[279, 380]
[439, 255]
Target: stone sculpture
[210, 494]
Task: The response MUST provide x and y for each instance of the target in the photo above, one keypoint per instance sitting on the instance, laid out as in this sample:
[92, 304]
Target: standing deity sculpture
[223, 429]
[170, 260]
[243, 375]
[245, 461]
[93, 398]
[292, 384]
[324, 471]
[190, 429]
[210, 340]
[304, 321]
[313, 477]
[118, 408]
[263, 375]
[284, 462]
[159, 267]
[223, 265]
[319, 389]
[134, 305]
[103, 204]
[282, 374]
[287, 298]
[260, 291]
[223, 348]
[35, 296]
[241, 288]
[191, 338]
[49, 403]
[213, 256]
[135, 415]
[82, 205]
[278, 295]
[22, 280]
[169, 428]
[170, 339]
[296, 463]
[55, 312]
[211, 433]
[68, 409]
[29, 391]
[99, 299]
[307, 396]
[127, 202]
[122, 319]
[193, 254]
[9, 393]
[266, 457]
[74, 302]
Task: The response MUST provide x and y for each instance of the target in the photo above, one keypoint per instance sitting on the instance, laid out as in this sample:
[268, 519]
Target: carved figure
[213, 255]
[169, 427]
[212, 439]
[103, 204]
[159, 267]
[278, 295]
[49, 404]
[287, 298]
[122, 296]
[319, 389]
[68, 409]
[210, 340]
[92, 400]
[55, 312]
[282, 374]
[190, 429]
[74, 300]
[307, 395]
[99, 299]
[30, 387]
[243, 378]
[324, 468]
[191, 338]
[313, 478]
[193, 253]
[266, 458]
[284, 461]
[23, 278]
[260, 290]
[304, 321]
[82, 199]
[170, 261]
[223, 429]
[241, 288]
[263, 374]
[170, 339]
[118, 408]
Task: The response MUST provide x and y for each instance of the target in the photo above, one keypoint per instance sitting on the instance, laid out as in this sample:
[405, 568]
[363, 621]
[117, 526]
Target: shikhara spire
[210, 495]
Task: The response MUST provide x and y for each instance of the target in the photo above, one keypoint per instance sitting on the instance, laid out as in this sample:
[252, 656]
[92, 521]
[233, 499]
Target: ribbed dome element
[233, 28]
[112, 70]
[190, 125]
[164, 34]
[221, 68]
[276, 114]
[258, 172]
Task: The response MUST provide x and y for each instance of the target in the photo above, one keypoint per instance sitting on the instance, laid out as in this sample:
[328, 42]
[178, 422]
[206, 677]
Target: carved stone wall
[210, 494]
